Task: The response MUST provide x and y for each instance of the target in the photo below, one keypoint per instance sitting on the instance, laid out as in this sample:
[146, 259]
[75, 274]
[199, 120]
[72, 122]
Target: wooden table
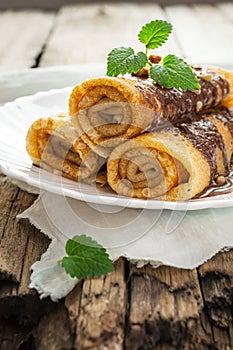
[164, 308]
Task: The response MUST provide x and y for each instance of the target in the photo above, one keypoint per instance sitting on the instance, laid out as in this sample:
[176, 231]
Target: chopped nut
[196, 66]
[155, 58]
[207, 77]
[220, 180]
[144, 73]
[199, 106]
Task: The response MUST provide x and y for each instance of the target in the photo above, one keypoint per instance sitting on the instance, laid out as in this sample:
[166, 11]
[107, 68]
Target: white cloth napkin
[175, 238]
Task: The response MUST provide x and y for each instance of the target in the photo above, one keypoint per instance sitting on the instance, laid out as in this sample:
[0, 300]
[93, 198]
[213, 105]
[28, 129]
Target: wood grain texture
[23, 35]
[143, 309]
[53, 330]
[174, 309]
[170, 305]
[56, 4]
[12, 335]
[85, 34]
[204, 33]
[216, 280]
[15, 237]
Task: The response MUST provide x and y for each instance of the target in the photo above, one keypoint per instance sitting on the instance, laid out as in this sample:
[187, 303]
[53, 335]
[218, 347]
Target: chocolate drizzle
[188, 113]
[173, 104]
[224, 115]
[215, 190]
[204, 136]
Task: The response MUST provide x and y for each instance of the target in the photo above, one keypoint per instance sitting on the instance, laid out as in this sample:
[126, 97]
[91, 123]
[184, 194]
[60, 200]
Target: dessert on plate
[158, 143]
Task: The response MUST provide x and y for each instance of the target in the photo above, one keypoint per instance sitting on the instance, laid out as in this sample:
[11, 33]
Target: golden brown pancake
[110, 110]
[54, 144]
[175, 163]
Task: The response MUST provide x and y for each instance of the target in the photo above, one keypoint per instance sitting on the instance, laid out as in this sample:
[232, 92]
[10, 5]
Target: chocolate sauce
[224, 115]
[172, 104]
[215, 190]
[187, 113]
[204, 136]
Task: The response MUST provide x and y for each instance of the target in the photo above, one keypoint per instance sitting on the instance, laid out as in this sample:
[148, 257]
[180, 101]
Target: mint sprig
[174, 72]
[155, 33]
[170, 72]
[123, 60]
[86, 258]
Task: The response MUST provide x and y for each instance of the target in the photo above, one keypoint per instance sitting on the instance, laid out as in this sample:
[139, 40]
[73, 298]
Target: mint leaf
[124, 60]
[171, 72]
[174, 72]
[86, 258]
[155, 33]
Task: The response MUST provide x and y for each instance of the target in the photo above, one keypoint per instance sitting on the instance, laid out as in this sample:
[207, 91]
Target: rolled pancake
[108, 110]
[228, 75]
[222, 118]
[173, 164]
[53, 144]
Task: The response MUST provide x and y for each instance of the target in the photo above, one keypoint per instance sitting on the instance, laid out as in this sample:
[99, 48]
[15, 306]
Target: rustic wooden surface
[56, 4]
[164, 308]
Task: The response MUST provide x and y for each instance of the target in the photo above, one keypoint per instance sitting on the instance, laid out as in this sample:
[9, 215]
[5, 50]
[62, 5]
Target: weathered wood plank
[176, 306]
[12, 244]
[205, 34]
[101, 320]
[86, 34]
[72, 303]
[23, 35]
[166, 310]
[56, 4]
[16, 237]
[37, 244]
[166, 307]
[216, 280]
[20, 245]
[53, 331]
[13, 335]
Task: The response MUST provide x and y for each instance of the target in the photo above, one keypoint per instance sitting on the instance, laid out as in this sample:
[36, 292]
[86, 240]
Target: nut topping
[155, 58]
[220, 180]
[199, 106]
[207, 77]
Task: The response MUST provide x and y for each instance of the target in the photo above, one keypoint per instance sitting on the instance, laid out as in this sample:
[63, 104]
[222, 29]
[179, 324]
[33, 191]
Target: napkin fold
[184, 239]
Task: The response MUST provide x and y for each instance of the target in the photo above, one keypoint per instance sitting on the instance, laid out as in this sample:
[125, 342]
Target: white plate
[17, 116]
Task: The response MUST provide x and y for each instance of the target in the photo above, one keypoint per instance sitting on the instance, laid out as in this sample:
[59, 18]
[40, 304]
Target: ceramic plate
[17, 116]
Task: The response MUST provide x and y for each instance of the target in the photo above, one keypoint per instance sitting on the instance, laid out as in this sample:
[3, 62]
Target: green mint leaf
[155, 33]
[124, 60]
[174, 72]
[86, 258]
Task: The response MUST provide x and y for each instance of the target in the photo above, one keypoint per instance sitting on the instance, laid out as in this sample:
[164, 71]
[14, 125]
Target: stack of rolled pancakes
[146, 141]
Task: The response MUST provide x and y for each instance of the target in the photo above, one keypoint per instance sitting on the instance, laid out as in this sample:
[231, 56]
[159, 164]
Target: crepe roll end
[228, 75]
[53, 144]
[182, 170]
